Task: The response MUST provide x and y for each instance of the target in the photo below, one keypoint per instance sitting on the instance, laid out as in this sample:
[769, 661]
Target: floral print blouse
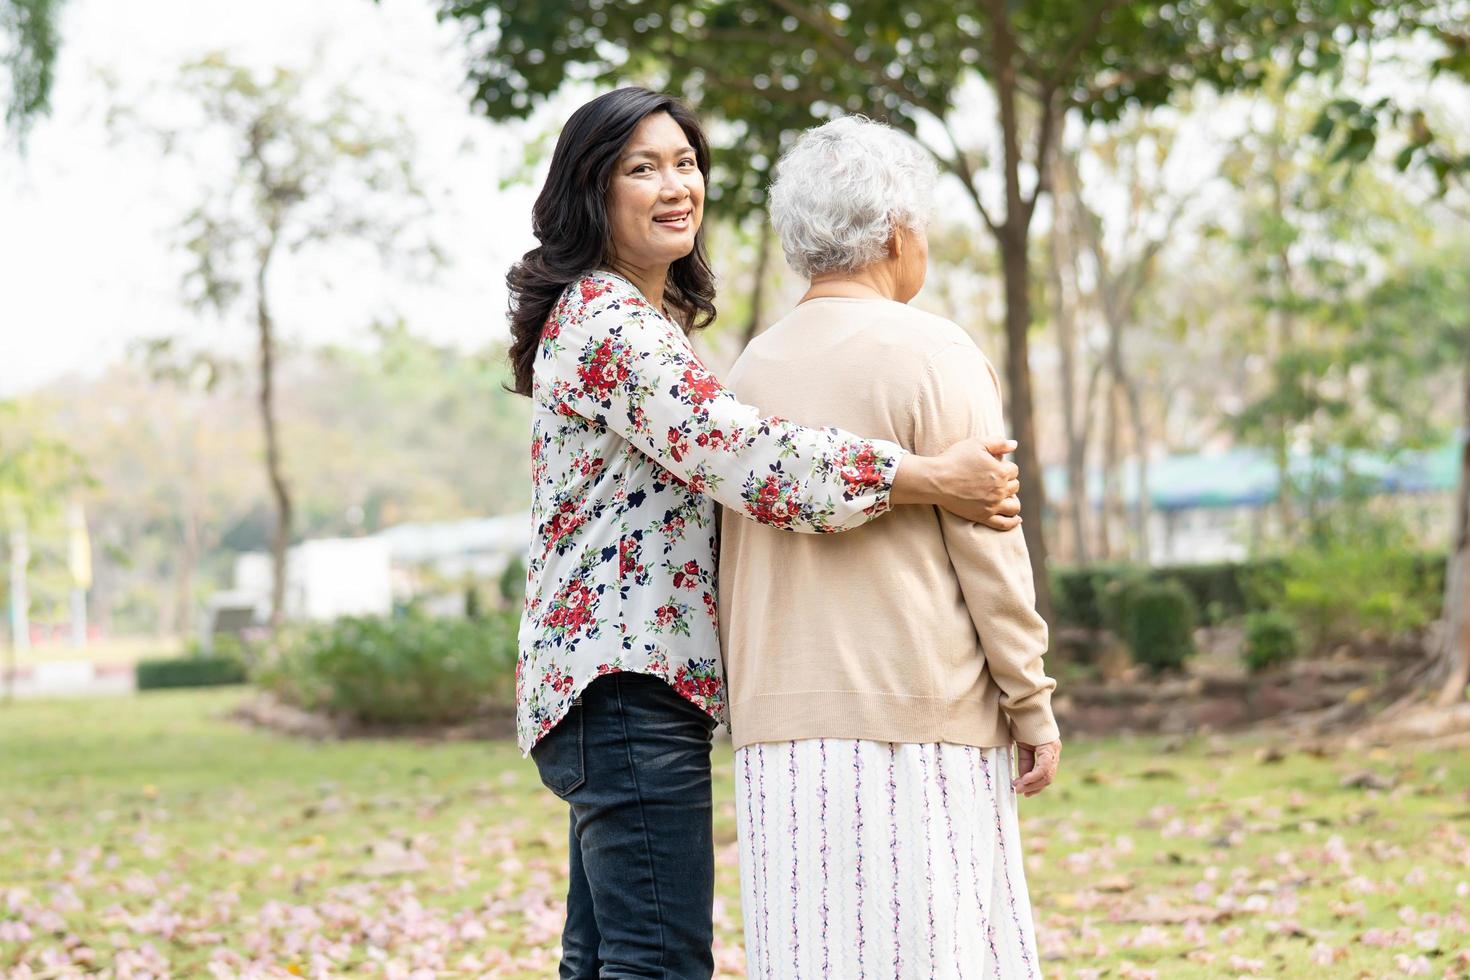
[633, 443]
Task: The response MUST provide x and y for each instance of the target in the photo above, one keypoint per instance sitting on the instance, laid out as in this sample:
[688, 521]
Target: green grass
[148, 830]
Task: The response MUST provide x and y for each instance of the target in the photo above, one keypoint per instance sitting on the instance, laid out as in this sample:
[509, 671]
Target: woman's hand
[1037, 765]
[969, 479]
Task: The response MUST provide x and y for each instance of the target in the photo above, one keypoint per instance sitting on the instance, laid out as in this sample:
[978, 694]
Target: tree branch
[1049, 123]
[960, 167]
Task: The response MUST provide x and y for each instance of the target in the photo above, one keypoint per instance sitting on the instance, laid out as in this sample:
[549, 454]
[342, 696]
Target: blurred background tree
[306, 170]
[29, 39]
[38, 472]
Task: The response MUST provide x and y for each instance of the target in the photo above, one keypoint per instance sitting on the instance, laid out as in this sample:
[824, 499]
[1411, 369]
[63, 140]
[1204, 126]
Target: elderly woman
[619, 682]
[878, 683]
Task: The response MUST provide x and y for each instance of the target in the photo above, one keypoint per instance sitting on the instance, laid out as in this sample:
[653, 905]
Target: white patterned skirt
[861, 860]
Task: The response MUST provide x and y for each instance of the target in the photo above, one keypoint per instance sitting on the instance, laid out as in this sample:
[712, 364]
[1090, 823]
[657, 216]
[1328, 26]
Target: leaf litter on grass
[160, 840]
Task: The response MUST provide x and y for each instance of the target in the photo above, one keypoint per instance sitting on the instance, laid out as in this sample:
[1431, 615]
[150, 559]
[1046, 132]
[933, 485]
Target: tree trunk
[20, 599]
[1063, 312]
[758, 288]
[1023, 423]
[282, 537]
[191, 545]
[188, 565]
[1143, 508]
[1112, 510]
[1013, 235]
[1455, 652]
[1285, 341]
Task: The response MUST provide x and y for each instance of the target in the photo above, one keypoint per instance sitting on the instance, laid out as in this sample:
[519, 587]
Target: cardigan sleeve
[609, 357]
[960, 397]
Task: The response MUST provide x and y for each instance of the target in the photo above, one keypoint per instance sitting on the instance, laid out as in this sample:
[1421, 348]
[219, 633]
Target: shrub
[1075, 595]
[192, 671]
[407, 670]
[1223, 590]
[1369, 585]
[1113, 590]
[1270, 639]
[1156, 620]
[1227, 590]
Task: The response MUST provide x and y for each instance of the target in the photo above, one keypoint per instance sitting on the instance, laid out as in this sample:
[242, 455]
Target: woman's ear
[895, 241]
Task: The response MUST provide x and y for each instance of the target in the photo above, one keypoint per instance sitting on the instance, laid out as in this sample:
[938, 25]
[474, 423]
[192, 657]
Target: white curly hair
[842, 190]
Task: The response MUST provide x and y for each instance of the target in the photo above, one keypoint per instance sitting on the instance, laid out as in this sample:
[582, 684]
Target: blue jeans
[632, 758]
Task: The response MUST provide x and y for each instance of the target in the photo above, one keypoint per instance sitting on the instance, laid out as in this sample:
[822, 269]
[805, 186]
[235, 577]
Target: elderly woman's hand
[969, 479]
[1037, 765]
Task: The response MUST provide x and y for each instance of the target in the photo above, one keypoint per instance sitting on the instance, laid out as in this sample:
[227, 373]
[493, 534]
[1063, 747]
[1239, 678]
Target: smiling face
[655, 198]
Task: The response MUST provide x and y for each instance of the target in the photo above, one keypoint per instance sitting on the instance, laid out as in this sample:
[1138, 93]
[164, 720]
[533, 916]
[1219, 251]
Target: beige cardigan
[917, 627]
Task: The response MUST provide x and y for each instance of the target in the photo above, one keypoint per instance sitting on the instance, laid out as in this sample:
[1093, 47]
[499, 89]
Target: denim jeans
[632, 759]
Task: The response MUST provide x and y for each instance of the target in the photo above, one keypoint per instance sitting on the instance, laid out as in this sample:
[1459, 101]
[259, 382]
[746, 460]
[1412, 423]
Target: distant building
[325, 578]
[331, 577]
[479, 547]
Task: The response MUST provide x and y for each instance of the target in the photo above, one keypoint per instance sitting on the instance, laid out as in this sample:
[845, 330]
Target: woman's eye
[687, 162]
[643, 168]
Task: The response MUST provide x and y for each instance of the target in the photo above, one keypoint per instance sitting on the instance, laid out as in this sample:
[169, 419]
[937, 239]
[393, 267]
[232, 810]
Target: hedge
[1221, 591]
[195, 671]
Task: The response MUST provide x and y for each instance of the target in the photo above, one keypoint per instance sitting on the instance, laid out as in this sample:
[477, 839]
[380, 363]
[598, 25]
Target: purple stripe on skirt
[857, 799]
[760, 769]
[822, 795]
[954, 854]
[928, 855]
[795, 862]
[982, 894]
[1005, 865]
[893, 844]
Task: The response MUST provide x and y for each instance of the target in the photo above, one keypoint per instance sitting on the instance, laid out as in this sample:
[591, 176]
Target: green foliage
[28, 45]
[1350, 128]
[1222, 590]
[36, 469]
[1270, 639]
[769, 67]
[513, 581]
[1362, 297]
[1382, 588]
[192, 671]
[406, 670]
[1369, 582]
[1075, 596]
[1114, 593]
[1156, 620]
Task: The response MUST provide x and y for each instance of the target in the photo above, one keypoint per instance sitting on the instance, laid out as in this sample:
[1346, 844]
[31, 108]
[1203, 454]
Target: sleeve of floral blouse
[617, 362]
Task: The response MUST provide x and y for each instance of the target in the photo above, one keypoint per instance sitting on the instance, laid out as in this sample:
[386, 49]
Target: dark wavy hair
[570, 221]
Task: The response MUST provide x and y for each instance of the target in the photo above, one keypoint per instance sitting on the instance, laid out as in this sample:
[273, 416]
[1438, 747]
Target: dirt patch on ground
[1330, 696]
[265, 711]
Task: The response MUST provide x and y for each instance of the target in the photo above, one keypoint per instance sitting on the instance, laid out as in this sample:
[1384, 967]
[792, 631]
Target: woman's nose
[673, 187]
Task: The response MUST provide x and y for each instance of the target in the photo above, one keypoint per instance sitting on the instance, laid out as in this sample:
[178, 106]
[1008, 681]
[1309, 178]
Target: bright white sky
[86, 265]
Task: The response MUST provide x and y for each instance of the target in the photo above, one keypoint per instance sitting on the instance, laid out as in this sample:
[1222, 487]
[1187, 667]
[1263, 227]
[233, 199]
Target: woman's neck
[650, 280]
[864, 284]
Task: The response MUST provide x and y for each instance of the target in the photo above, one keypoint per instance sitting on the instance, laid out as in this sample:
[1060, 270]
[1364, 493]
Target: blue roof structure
[1246, 476]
